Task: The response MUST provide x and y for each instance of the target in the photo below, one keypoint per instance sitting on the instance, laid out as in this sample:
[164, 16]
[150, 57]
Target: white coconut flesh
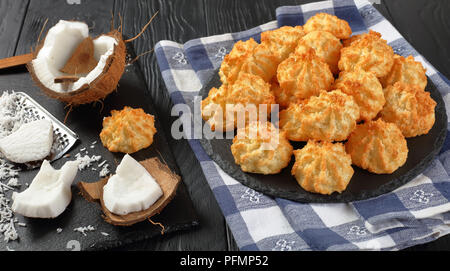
[49, 193]
[59, 45]
[31, 142]
[131, 189]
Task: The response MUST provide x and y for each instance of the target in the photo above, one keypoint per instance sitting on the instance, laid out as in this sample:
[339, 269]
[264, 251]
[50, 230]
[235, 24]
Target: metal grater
[63, 137]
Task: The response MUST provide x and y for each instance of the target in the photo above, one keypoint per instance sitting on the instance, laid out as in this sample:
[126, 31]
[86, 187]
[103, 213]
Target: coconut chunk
[31, 142]
[49, 193]
[131, 189]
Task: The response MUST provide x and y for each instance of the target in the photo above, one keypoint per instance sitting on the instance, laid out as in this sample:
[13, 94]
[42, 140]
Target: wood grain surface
[12, 14]
[424, 23]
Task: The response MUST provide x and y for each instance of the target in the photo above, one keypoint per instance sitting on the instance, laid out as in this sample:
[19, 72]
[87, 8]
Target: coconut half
[131, 189]
[166, 179]
[61, 44]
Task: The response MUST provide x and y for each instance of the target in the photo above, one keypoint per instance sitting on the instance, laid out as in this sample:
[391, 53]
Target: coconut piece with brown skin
[167, 180]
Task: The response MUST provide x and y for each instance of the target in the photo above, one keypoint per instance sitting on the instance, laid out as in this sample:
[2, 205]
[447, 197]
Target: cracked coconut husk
[167, 180]
[103, 84]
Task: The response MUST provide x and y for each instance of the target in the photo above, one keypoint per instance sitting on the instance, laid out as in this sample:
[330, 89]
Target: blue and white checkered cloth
[416, 213]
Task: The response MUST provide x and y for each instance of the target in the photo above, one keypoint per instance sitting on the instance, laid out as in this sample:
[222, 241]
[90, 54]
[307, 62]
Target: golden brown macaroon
[282, 98]
[262, 62]
[378, 147]
[330, 23]
[410, 108]
[262, 148]
[330, 117]
[326, 46]
[370, 53]
[128, 130]
[406, 70]
[349, 41]
[248, 91]
[365, 88]
[282, 41]
[322, 167]
[232, 62]
[213, 109]
[303, 75]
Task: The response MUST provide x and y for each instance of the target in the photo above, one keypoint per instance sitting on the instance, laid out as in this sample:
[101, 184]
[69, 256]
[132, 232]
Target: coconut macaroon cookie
[262, 148]
[322, 167]
[262, 62]
[282, 41]
[248, 92]
[304, 74]
[349, 41]
[326, 46]
[369, 53]
[232, 62]
[128, 130]
[330, 117]
[330, 23]
[406, 70]
[410, 108]
[378, 147]
[365, 88]
[282, 98]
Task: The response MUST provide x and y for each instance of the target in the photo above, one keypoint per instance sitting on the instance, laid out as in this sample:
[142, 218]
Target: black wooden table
[424, 23]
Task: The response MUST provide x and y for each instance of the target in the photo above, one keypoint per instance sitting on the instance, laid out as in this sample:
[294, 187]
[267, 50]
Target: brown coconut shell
[98, 89]
[167, 180]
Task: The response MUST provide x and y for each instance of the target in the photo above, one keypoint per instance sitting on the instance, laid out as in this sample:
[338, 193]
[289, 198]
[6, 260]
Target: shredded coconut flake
[104, 172]
[13, 114]
[13, 182]
[86, 161]
[85, 229]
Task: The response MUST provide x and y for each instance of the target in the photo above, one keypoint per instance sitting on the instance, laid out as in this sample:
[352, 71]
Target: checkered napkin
[416, 213]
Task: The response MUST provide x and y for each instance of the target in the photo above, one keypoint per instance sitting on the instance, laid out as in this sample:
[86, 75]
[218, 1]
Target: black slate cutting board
[363, 185]
[86, 121]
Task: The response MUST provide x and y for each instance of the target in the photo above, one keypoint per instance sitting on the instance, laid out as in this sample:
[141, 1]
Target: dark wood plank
[426, 26]
[174, 22]
[12, 13]
[97, 14]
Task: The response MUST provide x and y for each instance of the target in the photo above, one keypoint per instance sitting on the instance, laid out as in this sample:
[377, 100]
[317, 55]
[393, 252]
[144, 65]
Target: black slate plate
[363, 184]
[86, 121]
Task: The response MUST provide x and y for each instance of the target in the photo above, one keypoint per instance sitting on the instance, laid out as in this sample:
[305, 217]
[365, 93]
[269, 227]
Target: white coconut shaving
[104, 172]
[87, 161]
[84, 229]
[12, 116]
[13, 182]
